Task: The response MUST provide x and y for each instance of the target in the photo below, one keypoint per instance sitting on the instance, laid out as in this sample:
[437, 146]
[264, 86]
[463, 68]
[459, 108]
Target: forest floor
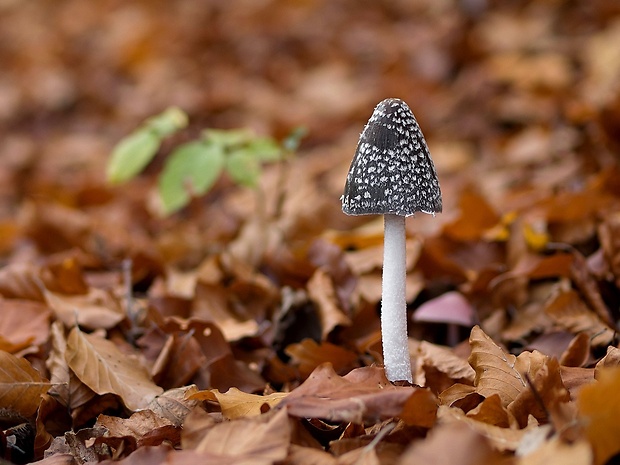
[244, 329]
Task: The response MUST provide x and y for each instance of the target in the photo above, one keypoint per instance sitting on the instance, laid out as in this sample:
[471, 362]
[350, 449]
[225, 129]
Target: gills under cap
[392, 171]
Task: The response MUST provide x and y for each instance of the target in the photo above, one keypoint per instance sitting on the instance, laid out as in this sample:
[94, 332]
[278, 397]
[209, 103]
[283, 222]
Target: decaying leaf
[246, 441]
[100, 365]
[599, 407]
[309, 355]
[235, 403]
[364, 394]
[21, 386]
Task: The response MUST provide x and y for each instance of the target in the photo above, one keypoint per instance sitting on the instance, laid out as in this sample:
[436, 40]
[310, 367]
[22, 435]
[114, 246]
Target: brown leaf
[550, 392]
[491, 411]
[453, 443]
[444, 360]
[246, 441]
[420, 409]
[21, 386]
[364, 394]
[309, 355]
[21, 281]
[599, 408]
[611, 359]
[67, 387]
[496, 371]
[235, 403]
[557, 452]
[142, 426]
[568, 310]
[321, 291]
[502, 439]
[94, 310]
[103, 368]
[24, 323]
[577, 353]
[476, 217]
[175, 404]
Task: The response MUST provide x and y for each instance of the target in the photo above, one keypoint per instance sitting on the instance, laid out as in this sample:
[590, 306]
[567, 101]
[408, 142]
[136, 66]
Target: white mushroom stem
[396, 359]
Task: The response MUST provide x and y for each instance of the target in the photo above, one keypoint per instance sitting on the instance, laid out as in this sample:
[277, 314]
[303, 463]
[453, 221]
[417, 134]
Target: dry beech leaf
[321, 291]
[476, 217]
[235, 403]
[261, 440]
[99, 364]
[300, 455]
[444, 360]
[502, 439]
[420, 409]
[21, 281]
[454, 444]
[175, 404]
[611, 359]
[569, 311]
[599, 408]
[21, 386]
[24, 323]
[491, 411]
[364, 394]
[556, 452]
[146, 455]
[577, 353]
[67, 387]
[498, 372]
[457, 393]
[550, 391]
[137, 426]
[94, 310]
[308, 355]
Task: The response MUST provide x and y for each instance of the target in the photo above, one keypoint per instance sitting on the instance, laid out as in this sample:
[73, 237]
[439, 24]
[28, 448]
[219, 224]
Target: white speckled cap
[392, 170]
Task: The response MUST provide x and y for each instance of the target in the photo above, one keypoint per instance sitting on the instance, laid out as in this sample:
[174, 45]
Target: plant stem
[396, 359]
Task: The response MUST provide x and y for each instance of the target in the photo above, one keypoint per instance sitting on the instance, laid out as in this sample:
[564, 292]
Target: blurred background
[513, 96]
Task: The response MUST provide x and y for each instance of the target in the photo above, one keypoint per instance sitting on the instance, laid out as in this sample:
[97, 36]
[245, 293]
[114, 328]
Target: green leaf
[191, 169]
[243, 167]
[131, 155]
[168, 122]
[265, 149]
[228, 138]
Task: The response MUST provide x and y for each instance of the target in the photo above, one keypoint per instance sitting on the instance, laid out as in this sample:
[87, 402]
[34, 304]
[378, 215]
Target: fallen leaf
[599, 409]
[100, 365]
[236, 404]
[501, 439]
[246, 441]
[94, 310]
[556, 452]
[364, 394]
[543, 395]
[141, 426]
[24, 323]
[453, 443]
[175, 404]
[496, 371]
[21, 386]
[321, 291]
[491, 411]
[308, 355]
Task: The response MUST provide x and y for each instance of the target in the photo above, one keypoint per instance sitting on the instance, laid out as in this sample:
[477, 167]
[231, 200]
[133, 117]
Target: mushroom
[392, 174]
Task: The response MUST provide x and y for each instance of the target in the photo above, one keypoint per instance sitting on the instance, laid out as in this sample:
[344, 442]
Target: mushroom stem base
[396, 359]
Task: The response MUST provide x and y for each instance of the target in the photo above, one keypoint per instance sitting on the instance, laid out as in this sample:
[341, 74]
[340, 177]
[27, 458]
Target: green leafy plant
[192, 168]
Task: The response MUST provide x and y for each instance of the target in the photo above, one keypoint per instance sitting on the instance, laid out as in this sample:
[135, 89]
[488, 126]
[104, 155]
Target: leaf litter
[244, 328]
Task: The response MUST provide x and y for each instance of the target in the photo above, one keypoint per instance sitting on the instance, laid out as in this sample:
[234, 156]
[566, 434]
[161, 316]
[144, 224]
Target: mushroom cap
[392, 171]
